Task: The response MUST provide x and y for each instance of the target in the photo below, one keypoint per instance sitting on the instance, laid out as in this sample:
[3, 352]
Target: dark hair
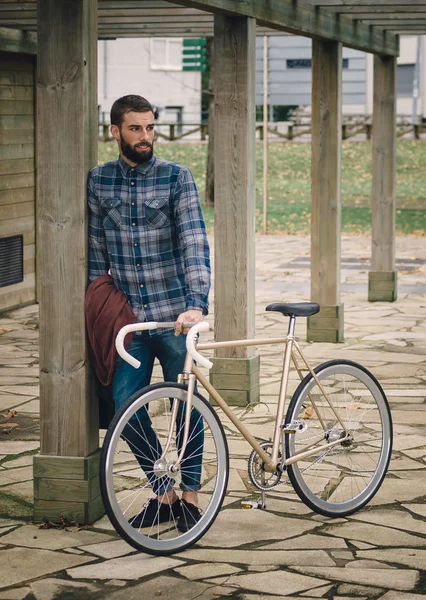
[130, 103]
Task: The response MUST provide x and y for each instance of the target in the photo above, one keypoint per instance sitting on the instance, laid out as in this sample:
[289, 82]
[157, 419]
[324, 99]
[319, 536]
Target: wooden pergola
[64, 35]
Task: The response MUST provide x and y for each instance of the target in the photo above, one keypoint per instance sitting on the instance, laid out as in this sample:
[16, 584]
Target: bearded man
[147, 231]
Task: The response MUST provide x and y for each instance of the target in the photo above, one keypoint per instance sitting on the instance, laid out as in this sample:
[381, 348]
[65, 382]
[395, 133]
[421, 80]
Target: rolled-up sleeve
[98, 253]
[193, 242]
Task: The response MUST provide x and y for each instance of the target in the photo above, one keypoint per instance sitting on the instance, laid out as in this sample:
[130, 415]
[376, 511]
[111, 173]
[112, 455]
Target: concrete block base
[67, 487]
[382, 286]
[327, 325]
[236, 379]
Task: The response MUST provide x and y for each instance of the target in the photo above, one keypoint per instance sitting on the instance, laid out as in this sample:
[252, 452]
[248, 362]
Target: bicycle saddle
[301, 309]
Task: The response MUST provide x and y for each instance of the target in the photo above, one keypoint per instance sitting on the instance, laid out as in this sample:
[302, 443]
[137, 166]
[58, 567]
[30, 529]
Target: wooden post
[382, 279]
[235, 71]
[65, 472]
[265, 137]
[327, 326]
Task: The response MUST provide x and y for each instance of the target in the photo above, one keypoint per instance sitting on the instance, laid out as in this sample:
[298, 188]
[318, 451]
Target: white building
[152, 68]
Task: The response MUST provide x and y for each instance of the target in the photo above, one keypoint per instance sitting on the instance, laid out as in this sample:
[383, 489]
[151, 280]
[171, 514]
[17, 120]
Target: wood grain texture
[66, 150]
[326, 165]
[235, 58]
[384, 164]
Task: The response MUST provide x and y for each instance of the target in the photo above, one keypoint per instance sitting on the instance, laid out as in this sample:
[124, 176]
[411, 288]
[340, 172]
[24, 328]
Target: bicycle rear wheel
[341, 479]
[126, 486]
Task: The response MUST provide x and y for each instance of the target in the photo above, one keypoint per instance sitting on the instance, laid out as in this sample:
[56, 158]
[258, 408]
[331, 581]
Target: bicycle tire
[343, 478]
[125, 486]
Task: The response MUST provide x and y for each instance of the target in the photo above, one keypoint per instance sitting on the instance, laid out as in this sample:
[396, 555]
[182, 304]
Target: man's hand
[190, 316]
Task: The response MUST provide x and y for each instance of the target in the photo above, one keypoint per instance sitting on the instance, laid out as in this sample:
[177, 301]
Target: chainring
[260, 478]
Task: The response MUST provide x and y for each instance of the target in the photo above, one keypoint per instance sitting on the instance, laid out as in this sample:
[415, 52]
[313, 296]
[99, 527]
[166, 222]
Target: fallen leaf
[10, 414]
[8, 425]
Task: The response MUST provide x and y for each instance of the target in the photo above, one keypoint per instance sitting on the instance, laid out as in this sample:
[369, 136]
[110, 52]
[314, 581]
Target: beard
[138, 153]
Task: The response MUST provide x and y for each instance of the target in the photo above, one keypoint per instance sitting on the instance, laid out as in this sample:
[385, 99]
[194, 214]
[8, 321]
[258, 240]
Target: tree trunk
[209, 193]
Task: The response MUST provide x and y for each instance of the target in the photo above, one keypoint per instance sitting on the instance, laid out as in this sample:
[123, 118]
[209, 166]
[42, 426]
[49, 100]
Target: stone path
[287, 551]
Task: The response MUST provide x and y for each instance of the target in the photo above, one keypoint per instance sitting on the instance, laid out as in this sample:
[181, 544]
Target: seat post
[291, 326]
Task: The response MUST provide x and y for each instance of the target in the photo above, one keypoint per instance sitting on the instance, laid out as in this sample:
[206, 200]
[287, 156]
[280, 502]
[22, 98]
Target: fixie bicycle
[333, 443]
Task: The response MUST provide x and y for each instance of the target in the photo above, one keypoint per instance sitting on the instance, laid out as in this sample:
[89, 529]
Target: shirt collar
[141, 169]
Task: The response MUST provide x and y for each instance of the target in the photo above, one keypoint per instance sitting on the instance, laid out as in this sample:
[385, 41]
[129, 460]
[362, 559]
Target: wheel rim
[344, 478]
[127, 488]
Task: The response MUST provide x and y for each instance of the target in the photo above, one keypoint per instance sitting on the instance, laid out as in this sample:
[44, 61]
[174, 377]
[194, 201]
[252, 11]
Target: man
[146, 228]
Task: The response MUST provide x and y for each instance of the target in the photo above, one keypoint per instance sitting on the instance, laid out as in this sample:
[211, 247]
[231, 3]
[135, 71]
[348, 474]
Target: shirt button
[141, 285]
[139, 266]
[133, 203]
[133, 224]
[156, 204]
[145, 305]
[135, 244]
[132, 183]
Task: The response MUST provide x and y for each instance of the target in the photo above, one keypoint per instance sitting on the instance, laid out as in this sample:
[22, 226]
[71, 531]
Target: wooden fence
[285, 130]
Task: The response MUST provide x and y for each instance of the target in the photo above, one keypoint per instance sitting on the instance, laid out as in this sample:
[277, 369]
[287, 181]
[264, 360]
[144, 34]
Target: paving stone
[128, 567]
[207, 570]
[166, 588]
[32, 536]
[23, 490]
[395, 490]
[382, 536]
[51, 589]
[358, 590]
[418, 509]
[15, 594]
[396, 579]
[23, 564]
[20, 390]
[402, 596]
[410, 557]
[23, 461]
[308, 541]
[367, 564]
[16, 475]
[283, 583]
[8, 401]
[397, 519]
[13, 448]
[318, 592]
[108, 550]
[246, 526]
[261, 556]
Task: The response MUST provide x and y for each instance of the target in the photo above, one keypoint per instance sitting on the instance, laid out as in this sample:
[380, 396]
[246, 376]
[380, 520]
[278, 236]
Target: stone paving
[286, 551]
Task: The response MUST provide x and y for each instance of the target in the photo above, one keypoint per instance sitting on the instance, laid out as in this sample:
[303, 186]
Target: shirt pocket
[111, 212]
[157, 211]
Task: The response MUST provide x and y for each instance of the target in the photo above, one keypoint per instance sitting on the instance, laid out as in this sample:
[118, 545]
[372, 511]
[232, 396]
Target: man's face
[135, 136]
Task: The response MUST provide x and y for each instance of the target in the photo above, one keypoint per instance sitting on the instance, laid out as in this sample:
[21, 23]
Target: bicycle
[334, 443]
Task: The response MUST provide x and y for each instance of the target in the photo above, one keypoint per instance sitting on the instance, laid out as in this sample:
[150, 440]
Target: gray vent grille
[11, 260]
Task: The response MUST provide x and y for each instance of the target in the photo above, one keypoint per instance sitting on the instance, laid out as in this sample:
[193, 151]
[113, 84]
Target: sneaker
[155, 512]
[189, 516]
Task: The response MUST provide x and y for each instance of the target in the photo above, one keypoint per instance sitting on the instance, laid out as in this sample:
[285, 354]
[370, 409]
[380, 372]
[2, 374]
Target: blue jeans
[170, 351]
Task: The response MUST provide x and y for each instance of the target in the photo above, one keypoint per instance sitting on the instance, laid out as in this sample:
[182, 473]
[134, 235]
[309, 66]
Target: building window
[405, 78]
[306, 63]
[166, 54]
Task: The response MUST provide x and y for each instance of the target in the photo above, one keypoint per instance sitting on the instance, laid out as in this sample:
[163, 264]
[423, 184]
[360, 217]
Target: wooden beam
[327, 326]
[301, 19]
[384, 176]
[66, 150]
[14, 40]
[235, 73]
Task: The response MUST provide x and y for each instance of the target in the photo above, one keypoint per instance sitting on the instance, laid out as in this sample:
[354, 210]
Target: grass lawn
[290, 183]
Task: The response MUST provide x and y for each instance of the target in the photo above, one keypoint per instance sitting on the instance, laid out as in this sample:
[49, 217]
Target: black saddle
[301, 309]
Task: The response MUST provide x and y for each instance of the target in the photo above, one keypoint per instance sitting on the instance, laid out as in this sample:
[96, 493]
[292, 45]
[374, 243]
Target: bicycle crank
[261, 479]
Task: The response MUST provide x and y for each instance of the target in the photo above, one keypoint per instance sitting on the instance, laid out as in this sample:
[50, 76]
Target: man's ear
[115, 132]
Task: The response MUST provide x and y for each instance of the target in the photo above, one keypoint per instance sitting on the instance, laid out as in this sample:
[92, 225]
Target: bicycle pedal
[294, 427]
[252, 504]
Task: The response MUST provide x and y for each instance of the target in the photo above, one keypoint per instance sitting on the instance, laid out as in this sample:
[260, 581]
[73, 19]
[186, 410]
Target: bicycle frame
[191, 373]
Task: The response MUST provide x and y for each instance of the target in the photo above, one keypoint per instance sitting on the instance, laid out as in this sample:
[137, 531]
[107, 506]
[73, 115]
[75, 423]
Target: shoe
[189, 516]
[155, 512]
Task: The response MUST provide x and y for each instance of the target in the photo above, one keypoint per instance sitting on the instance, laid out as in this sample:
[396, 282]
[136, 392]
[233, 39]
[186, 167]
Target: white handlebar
[119, 341]
[190, 344]
[190, 341]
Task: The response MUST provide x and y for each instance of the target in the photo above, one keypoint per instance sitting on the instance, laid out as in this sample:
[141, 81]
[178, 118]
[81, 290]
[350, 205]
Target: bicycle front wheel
[339, 480]
[132, 469]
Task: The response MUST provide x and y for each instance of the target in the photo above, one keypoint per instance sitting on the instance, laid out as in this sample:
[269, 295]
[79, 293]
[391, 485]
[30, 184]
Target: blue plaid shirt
[147, 229]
